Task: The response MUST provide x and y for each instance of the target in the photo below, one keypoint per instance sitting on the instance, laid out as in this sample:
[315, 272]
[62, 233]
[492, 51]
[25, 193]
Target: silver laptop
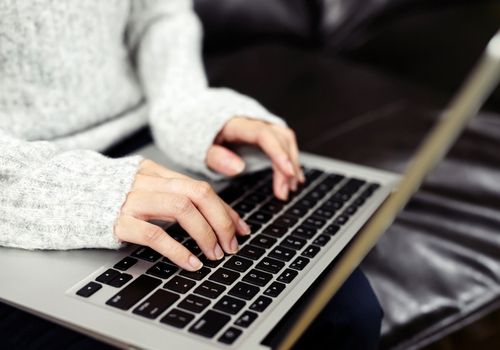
[135, 298]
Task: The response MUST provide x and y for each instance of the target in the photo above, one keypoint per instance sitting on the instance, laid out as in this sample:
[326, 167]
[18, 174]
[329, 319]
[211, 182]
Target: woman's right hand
[162, 194]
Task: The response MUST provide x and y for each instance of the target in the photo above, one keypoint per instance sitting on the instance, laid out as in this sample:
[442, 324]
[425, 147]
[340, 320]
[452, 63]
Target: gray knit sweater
[77, 76]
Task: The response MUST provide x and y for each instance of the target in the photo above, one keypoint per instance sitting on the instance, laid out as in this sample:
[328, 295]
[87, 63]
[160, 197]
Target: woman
[76, 78]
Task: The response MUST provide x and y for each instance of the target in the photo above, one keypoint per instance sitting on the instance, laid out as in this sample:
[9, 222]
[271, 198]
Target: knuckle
[203, 189]
[227, 226]
[181, 204]
[147, 163]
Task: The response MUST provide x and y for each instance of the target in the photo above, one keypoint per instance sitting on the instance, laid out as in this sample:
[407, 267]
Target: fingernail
[195, 262]
[234, 245]
[284, 191]
[302, 177]
[218, 253]
[237, 166]
[289, 167]
[293, 184]
[243, 227]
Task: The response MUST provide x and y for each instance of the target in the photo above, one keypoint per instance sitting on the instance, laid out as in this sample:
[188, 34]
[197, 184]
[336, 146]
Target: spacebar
[135, 291]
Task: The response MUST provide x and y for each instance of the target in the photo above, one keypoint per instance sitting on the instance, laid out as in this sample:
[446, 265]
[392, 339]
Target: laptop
[134, 298]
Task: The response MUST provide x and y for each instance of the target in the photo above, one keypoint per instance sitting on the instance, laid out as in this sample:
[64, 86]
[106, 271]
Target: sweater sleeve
[186, 115]
[54, 199]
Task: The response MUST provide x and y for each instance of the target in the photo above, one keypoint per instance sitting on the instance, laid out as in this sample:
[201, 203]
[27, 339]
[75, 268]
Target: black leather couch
[364, 81]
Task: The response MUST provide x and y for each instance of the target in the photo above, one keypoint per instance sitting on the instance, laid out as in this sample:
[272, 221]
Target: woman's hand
[162, 194]
[278, 142]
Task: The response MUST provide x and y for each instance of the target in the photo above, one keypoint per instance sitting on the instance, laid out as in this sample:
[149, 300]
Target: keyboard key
[270, 265]
[244, 207]
[352, 186]
[231, 193]
[155, 304]
[251, 252]
[341, 219]
[282, 253]
[244, 291]
[257, 277]
[359, 201]
[177, 318]
[192, 246]
[263, 241]
[332, 229]
[312, 174]
[332, 204]
[275, 289]
[350, 210]
[177, 232]
[314, 221]
[210, 263]
[242, 239]
[162, 270]
[311, 251]
[306, 232]
[238, 263]
[210, 289]
[196, 275]
[341, 197]
[89, 289]
[229, 305]
[297, 211]
[224, 276]
[146, 253]
[254, 226]
[333, 179]
[294, 242]
[194, 303]
[275, 231]
[179, 284]
[321, 240]
[287, 276]
[246, 319]
[299, 263]
[135, 291]
[260, 217]
[285, 221]
[324, 213]
[273, 206]
[307, 202]
[125, 263]
[261, 304]
[230, 335]
[107, 276]
[256, 197]
[120, 280]
[210, 324]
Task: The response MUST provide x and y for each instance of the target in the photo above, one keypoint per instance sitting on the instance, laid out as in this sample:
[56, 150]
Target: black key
[285, 221]
[192, 246]
[244, 207]
[294, 242]
[251, 252]
[210, 289]
[272, 206]
[275, 231]
[135, 291]
[282, 253]
[299, 263]
[89, 289]
[270, 265]
[261, 304]
[265, 189]
[306, 232]
[332, 229]
[307, 202]
[256, 197]
[314, 221]
[246, 319]
[322, 187]
[179, 284]
[196, 275]
[242, 239]
[287, 276]
[210, 324]
[311, 251]
[177, 232]
[146, 253]
[257, 277]
[194, 303]
[321, 240]
[229, 305]
[238, 263]
[177, 318]
[120, 280]
[341, 197]
[231, 193]
[324, 213]
[312, 174]
[275, 289]
[260, 217]
[107, 276]
[155, 304]
[297, 211]
[254, 227]
[125, 263]
[244, 291]
[333, 179]
[341, 219]
[352, 186]
[315, 196]
[210, 263]
[350, 210]
[162, 270]
[230, 335]
[224, 276]
[359, 201]
[263, 241]
[332, 204]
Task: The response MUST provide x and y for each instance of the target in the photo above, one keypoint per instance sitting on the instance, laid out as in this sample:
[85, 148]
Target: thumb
[224, 161]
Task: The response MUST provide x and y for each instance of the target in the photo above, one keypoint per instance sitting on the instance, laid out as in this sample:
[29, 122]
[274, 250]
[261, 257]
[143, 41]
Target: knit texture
[75, 78]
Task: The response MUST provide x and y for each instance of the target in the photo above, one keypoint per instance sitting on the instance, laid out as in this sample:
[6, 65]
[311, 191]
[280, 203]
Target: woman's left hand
[277, 141]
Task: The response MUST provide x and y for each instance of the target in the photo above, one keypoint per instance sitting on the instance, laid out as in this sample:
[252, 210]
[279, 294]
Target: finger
[294, 154]
[173, 207]
[133, 230]
[241, 226]
[280, 184]
[225, 161]
[148, 167]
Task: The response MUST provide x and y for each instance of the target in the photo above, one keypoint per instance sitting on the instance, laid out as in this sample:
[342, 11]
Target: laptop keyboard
[226, 296]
